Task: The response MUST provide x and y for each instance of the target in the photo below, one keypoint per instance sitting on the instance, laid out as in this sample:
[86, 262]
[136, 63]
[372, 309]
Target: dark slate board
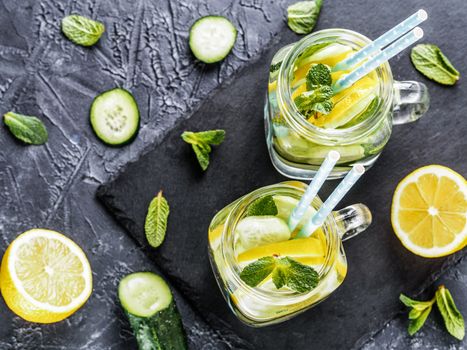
[379, 267]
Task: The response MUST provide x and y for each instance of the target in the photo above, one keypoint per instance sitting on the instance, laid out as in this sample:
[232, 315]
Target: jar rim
[236, 213]
[299, 123]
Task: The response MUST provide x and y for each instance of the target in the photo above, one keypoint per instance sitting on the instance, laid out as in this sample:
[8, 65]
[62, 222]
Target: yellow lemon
[429, 211]
[45, 277]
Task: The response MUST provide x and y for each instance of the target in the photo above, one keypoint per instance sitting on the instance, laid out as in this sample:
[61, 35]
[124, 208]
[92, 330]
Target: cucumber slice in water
[212, 38]
[114, 116]
[255, 231]
[151, 311]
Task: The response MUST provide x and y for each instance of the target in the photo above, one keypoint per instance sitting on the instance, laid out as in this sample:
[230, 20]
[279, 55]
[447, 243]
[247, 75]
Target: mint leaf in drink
[317, 100]
[301, 278]
[155, 226]
[254, 273]
[452, 317]
[82, 30]
[431, 62]
[285, 272]
[303, 15]
[28, 129]
[418, 314]
[262, 206]
[201, 143]
[319, 74]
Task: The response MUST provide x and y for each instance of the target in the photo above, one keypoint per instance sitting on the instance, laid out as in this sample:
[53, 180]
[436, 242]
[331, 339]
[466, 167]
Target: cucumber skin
[161, 331]
[130, 140]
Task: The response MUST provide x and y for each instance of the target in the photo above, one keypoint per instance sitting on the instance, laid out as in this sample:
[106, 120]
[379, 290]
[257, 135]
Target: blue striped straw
[346, 184]
[312, 190]
[374, 62]
[384, 40]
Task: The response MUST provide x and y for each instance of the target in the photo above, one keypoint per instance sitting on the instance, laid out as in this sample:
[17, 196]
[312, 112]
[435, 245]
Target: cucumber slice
[151, 311]
[114, 116]
[255, 231]
[212, 38]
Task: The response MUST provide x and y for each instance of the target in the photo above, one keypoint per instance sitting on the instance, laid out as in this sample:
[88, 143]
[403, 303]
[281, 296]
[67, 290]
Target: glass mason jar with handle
[360, 123]
[238, 238]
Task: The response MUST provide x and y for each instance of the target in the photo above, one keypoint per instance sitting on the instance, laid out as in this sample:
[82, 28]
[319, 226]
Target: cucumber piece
[114, 117]
[255, 231]
[212, 38]
[152, 312]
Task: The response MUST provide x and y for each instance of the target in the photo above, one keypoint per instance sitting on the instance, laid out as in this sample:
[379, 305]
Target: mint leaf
[452, 317]
[201, 143]
[431, 62]
[255, 272]
[301, 278]
[302, 16]
[82, 30]
[262, 206]
[285, 272]
[418, 314]
[26, 128]
[155, 226]
[317, 100]
[318, 74]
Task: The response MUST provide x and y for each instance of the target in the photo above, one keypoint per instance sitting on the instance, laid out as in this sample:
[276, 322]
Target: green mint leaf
[452, 317]
[301, 278]
[255, 272]
[26, 128]
[201, 141]
[275, 67]
[431, 62]
[317, 100]
[82, 30]
[155, 226]
[416, 323]
[318, 74]
[280, 273]
[418, 314]
[302, 16]
[262, 206]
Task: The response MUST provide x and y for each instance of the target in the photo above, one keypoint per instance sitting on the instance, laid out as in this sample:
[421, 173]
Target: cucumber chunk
[212, 38]
[114, 116]
[255, 231]
[152, 312]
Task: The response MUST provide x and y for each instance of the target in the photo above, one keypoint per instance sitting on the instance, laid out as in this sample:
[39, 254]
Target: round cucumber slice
[255, 231]
[144, 293]
[114, 116]
[212, 38]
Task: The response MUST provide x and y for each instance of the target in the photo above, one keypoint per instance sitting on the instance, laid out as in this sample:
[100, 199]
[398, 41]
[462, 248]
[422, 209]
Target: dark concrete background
[144, 49]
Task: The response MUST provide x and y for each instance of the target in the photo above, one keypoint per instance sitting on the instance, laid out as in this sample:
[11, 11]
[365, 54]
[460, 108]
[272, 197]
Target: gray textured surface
[144, 49]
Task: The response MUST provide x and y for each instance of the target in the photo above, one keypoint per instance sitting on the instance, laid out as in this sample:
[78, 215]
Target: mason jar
[297, 147]
[263, 305]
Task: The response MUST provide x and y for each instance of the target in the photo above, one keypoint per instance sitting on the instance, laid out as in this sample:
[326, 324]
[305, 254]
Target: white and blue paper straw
[383, 41]
[392, 50]
[312, 190]
[328, 206]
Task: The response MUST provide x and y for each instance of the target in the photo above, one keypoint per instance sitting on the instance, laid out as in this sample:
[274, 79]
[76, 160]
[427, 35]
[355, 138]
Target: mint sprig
[319, 94]
[262, 206]
[201, 143]
[285, 272]
[420, 310]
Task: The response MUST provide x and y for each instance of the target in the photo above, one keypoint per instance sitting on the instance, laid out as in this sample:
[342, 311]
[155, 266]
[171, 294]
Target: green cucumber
[114, 117]
[151, 311]
[212, 38]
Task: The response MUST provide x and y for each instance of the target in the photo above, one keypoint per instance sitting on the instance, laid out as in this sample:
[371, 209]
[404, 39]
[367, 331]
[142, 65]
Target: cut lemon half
[45, 277]
[429, 211]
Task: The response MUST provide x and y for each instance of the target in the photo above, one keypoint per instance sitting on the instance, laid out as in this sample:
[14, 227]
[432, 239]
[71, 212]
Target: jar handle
[352, 220]
[411, 101]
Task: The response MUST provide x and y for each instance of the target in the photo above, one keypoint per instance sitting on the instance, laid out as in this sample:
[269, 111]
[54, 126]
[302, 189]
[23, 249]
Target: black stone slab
[379, 267]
